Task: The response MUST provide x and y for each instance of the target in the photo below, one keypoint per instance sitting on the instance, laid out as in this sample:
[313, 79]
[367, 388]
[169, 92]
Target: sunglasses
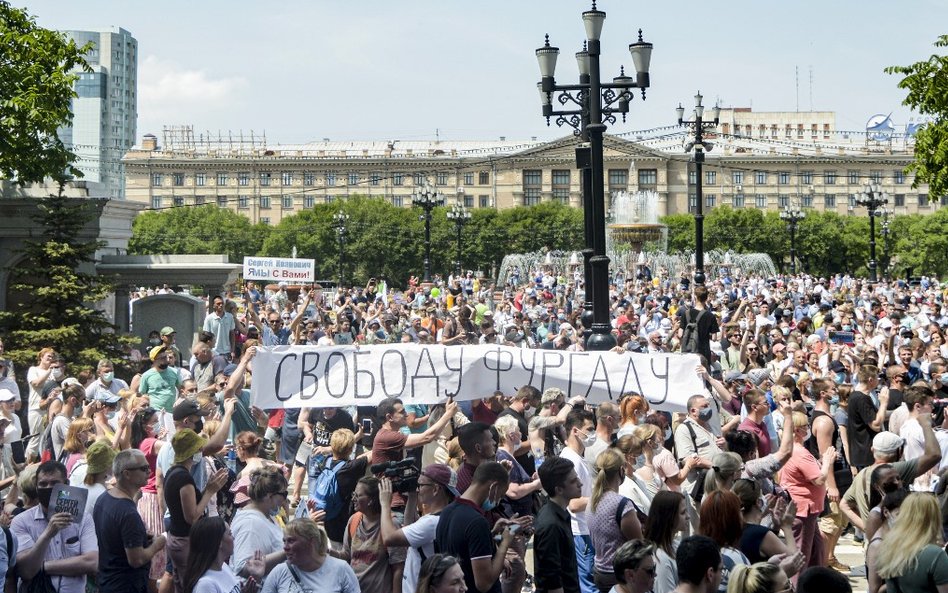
[141, 468]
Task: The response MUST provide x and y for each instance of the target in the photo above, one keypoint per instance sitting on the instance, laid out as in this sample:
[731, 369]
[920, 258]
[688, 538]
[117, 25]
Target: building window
[806, 177]
[222, 179]
[648, 177]
[532, 178]
[783, 202]
[561, 177]
[875, 176]
[375, 178]
[829, 178]
[199, 200]
[419, 179]
[243, 179]
[806, 200]
[738, 200]
[483, 201]
[309, 179]
[441, 178]
[899, 200]
[177, 179]
[222, 201]
[397, 179]
[264, 201]
[483, 178]
[156, 179]
[177, 201]
[829, 201]
[330, 198]
[737, 177]
[852, 202]
[692, 203]
[265, 220]
[943, 201]
[561, 195]
[309, 201]
[710, 177]
[531, 196]
[200, 179]
[287, 202]
[922, 201]
[853, 177]
[156, 202]
[330, 178]
[469, 179]
[898, 176]
[692, 178]
[398, 201]
[243, 201]
[353, 178]
[760, 200]
[468, 201]
[783, 178]
[265, 179]
[286, 178]
[709, 200]
[760, 177]
[618, 179]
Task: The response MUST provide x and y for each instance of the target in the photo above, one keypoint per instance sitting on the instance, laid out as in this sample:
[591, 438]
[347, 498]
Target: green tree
[56, 286]
[681, 232]
[927, 86]
[35, 98]
[197, 230]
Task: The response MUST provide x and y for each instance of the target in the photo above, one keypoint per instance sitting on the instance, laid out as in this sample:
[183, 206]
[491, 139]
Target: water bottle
[231, 458]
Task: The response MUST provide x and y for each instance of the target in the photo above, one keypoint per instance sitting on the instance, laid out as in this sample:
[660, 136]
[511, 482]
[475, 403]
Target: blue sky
[373, 69]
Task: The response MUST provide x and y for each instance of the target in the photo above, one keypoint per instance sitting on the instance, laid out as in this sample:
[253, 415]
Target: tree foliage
[56, 287]
[927, 86]
[35, 98]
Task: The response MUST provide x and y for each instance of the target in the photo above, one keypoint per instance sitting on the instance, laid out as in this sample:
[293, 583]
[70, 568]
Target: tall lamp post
[460, 216]
[885, 212]
[792, 216]
[595, 104]
[698, 126]
[873, 198]
[339, 221]
[427, 198]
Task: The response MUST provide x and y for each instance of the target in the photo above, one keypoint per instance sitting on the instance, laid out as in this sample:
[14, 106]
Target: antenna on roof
[796, 70]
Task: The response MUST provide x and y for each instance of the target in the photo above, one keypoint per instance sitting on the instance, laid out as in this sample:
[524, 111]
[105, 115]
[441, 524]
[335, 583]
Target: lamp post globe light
[592, 104]
[792, 216]
[460, 216]
[873, 198]
[699, 145]
[339, 221]
[427, 198]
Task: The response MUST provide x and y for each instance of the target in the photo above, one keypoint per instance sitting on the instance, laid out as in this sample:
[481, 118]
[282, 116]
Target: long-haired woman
[613, 519]
[726, 468]
[720, 519]
[377, 567]
[633, 408]
[761, 577]
[911, 557]
[667, 518]
[79, 435]
[440, 574]
[891, 506]
[211, 544]
[758, 542]
[151, 506]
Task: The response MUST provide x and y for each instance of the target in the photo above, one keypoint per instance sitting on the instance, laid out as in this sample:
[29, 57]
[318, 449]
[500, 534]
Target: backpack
[326, 489]
[689, 337]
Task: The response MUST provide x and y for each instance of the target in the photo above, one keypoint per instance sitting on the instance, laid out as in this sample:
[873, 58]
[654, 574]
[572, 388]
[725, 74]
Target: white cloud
[169, 93]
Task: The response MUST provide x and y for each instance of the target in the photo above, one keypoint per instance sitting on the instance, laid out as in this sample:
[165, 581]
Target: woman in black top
[758, 542]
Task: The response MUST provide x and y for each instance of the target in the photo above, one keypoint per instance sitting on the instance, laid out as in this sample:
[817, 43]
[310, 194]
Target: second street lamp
[460, 216]
[873, 198]
[885, 212]
[792, 216]
[339, 221]
[596, 104]
[427, 198]
[698, 125]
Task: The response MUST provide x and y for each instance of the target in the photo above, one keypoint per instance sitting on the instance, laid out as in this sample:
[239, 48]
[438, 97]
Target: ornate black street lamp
[427, 198]
[873, 198]
[886, 260]
[792, 216]
[460, 216]
[596, 104]
[700, 146]
[339, 221]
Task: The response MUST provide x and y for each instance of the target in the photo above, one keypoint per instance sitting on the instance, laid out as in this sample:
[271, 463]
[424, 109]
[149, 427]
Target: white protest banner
[276, 269]
[314, 376]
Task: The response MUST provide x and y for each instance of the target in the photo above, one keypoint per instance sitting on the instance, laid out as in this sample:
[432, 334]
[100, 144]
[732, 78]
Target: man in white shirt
[581, 433]
[105, 381]
[918, 401]
[222, 325]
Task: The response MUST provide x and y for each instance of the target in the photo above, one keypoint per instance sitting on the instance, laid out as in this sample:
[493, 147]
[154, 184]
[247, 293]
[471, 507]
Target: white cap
[7, 396]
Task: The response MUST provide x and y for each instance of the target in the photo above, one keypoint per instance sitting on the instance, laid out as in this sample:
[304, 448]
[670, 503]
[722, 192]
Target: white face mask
[56, 374]
[198, 457]
[588, 440]
[529, 413]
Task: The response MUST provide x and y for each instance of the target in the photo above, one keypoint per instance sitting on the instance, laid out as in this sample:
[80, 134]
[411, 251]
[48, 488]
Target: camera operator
[390, 444]
[437, 488]
[318, 425]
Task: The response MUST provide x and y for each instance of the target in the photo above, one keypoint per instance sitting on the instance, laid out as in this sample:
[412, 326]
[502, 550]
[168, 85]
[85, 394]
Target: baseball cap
[7, 396]
[185, 409]
[154, 352]
[442, 475]
[105, 396]
[229, 370]
[732, 376]
[167, 331]
[887, 442]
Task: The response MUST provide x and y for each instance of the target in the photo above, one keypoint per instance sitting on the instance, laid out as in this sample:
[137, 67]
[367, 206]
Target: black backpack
[689, 337]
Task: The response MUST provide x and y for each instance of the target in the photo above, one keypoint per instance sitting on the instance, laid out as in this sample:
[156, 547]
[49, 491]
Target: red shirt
[797, 477]
[389, 445]
[763, 436]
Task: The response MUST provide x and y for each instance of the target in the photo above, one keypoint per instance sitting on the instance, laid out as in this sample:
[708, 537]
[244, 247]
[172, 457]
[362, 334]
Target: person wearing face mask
[479, 443]
[185, 503]
[890, 506]
[46, 373]
[522, 407]
[695, 439]
[378, 565]
[581, 433]
[73, 396]
[554, 557]
[105, 381]
[464, 529]
[144, 438]
[607, 423]
[254, 528]
[160, 383]
[55, 545]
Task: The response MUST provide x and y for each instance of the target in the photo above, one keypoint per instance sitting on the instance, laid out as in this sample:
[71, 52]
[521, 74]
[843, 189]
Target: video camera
[403, 474]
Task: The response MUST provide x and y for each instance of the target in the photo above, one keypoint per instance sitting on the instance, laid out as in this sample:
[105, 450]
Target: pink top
[797, 477]
[147, 447]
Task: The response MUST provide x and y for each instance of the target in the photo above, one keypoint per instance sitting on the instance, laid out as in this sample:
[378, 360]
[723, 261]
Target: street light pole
[460, 216]
[339, 221]
[698, 126]
[885, 242]
[873, 198]
[427, 199]
[792, 216]
[597, 104]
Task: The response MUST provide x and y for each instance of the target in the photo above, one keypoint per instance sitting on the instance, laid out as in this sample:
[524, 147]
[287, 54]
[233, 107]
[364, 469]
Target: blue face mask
[943, 379]
[785, 330]
[840, 378]
[489, 504]
[834, 401]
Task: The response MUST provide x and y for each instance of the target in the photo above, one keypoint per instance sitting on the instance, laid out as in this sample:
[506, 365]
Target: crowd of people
[823, 411]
